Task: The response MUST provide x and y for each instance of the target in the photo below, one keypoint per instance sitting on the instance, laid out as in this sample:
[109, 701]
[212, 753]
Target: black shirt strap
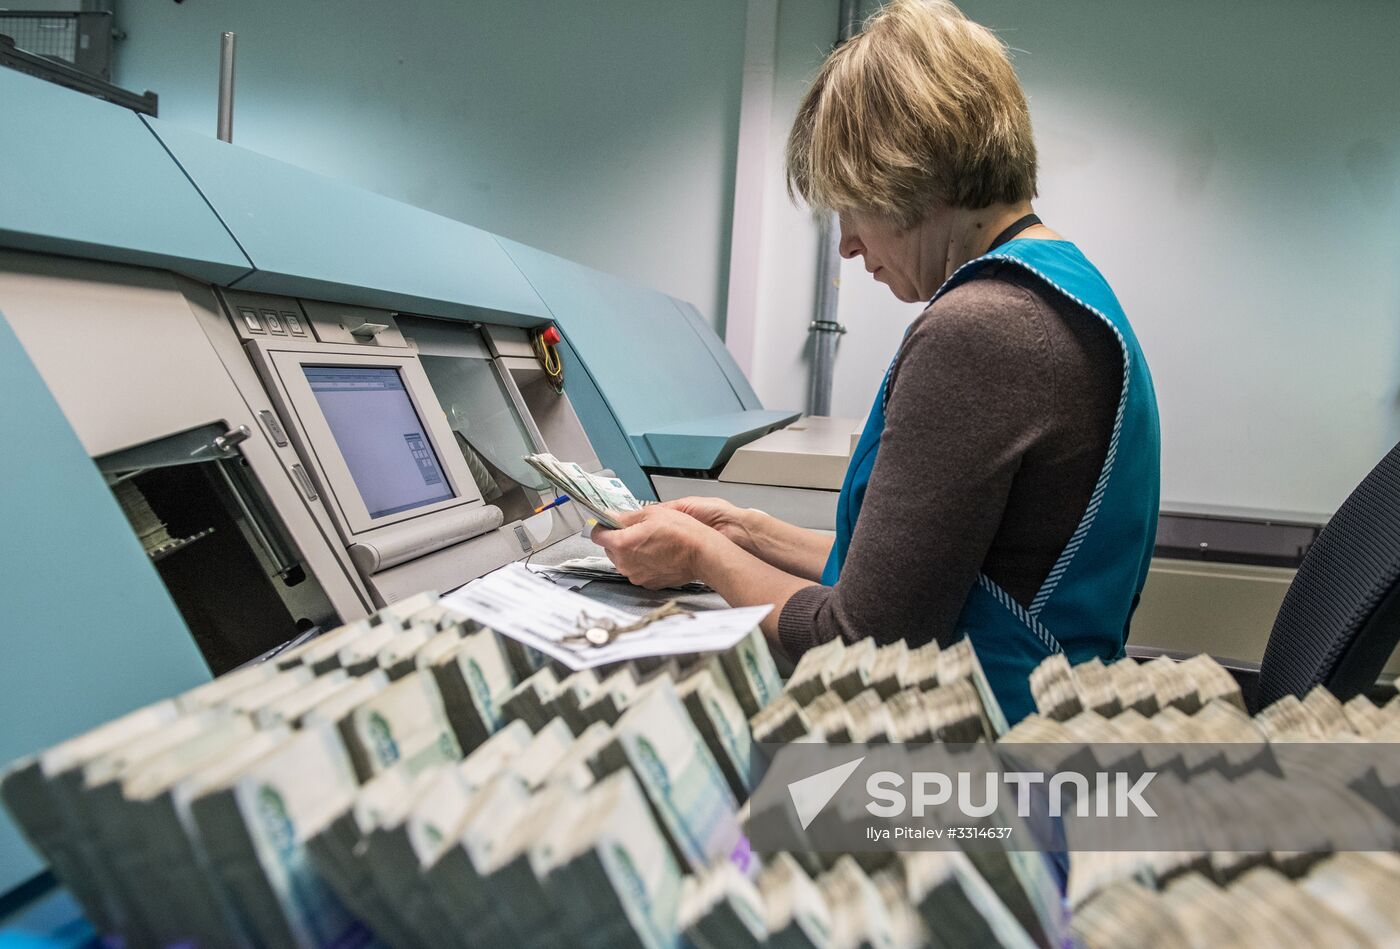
[1030, 220]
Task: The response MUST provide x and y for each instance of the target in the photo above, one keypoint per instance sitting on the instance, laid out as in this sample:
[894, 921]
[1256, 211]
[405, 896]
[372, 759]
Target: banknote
[475, 678]
[338, 852]
[858, 914]
[178, 891]
[455, 869]
[399, 656]
[753, 675]
[404, 721]
[603, 496]
[41, 792]
[721, 908]
[289, 709]
[795, 911]
[254, 824]
[687, 789]
[951, 896]
[410, 836]
[107, 823]
[716, 714]
[614, 876]
[515, 872]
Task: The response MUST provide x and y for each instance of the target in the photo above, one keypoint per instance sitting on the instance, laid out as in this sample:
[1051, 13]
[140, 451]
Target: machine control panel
[261, 315]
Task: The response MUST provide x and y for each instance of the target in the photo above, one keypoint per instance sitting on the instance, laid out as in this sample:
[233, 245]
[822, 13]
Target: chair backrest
[1340, 619]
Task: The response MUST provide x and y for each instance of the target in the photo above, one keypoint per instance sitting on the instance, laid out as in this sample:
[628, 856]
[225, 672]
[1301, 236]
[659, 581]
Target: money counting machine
[304, 402]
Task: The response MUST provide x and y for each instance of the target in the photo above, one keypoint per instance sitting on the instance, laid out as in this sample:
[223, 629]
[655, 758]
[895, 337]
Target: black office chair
[1340, 619]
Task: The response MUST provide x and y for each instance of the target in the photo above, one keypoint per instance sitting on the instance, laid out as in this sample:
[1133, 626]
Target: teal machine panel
[309, 236]
[650, 375]
[86, 178]
[314, 237]
[743, 391]
[608, 439]
[90, 632]
[661, 375]
[702, 444]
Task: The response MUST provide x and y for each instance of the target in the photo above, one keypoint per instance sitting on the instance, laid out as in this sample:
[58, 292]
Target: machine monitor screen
[381, 437]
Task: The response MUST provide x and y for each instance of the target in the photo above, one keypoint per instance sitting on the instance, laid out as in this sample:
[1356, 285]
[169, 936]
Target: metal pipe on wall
[824, 329]
[227, 44]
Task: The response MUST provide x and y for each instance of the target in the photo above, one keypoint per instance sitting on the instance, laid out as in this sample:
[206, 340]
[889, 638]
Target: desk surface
[1233, 512]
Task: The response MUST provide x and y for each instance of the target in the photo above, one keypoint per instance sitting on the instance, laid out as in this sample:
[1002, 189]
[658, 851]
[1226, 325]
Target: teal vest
[1088, 598]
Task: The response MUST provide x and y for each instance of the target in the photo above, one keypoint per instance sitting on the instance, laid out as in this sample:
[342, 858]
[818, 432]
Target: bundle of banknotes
[415, 779]
[781, 905]
[1192, 701]
[396, 778]
[1163, 709]
[601, 568]
[602, 496]
[1346, 899]
[861, 693]
[919, 898]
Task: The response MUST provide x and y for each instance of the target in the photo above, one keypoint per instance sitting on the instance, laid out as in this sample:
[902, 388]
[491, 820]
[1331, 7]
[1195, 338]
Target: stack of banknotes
[781, 905]
[861, 693]
[415, 779]
[398, 778]
[601, 568]
[1344, 899]
[1247, 895]
[602, 496]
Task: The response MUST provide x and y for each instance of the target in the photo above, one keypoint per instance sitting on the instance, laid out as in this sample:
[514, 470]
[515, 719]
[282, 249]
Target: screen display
[380, 436]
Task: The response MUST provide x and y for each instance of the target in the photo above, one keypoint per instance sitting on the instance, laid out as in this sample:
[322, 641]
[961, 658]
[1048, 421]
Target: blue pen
[562, 499]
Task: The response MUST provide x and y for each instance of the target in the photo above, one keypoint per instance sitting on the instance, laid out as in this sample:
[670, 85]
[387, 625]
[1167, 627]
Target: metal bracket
[226, 443]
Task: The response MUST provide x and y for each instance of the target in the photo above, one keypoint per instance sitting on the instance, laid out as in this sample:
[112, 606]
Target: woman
[1005, 487]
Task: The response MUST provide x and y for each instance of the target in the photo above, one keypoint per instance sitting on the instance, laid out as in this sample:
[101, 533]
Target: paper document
[530, 609]
[603, 497]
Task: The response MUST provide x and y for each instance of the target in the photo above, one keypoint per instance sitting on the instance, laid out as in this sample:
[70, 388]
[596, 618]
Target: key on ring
[603, 631]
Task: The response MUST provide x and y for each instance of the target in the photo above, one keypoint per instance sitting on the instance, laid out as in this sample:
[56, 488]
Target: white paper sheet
[530, 609]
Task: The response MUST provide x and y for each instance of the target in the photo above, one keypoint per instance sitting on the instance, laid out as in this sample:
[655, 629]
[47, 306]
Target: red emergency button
[551, 336]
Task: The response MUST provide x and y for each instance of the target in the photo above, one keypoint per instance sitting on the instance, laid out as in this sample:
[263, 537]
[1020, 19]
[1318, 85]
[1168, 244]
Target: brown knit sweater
[1000, 411]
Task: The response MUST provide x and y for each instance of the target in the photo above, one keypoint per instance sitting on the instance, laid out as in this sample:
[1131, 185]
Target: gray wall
[602, 131]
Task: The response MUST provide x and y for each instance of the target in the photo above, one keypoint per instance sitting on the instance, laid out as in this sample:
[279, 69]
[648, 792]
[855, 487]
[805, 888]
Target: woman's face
[909, 262]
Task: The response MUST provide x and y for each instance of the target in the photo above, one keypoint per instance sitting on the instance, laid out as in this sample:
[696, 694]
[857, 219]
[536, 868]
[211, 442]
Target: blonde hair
[920, 108]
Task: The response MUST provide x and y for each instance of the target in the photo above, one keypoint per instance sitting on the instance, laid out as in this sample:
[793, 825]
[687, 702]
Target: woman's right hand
[729, 519]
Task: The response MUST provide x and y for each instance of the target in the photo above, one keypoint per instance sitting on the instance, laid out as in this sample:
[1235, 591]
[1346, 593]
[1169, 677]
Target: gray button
[305, 482]
[274, 428]
[293, 323]
[274, 323]
[250, 320]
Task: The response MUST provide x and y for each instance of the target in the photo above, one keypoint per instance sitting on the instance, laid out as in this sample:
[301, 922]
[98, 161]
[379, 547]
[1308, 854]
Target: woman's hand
[657, 546]
[795, 550]
[733, 522]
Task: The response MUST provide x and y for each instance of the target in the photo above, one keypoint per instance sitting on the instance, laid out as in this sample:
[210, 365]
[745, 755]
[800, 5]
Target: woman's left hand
[657, 547]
